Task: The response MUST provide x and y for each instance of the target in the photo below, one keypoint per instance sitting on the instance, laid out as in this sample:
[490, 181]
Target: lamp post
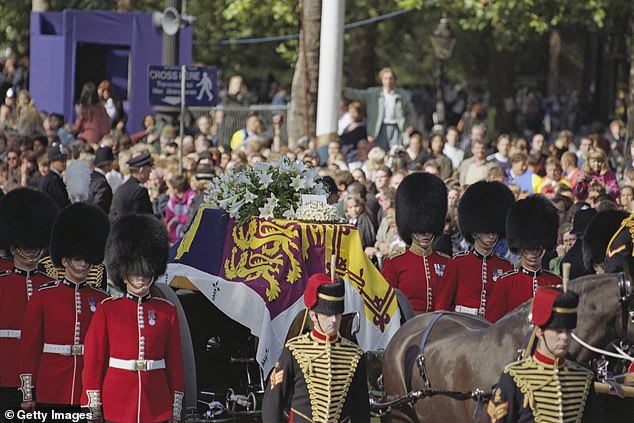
[443, 42]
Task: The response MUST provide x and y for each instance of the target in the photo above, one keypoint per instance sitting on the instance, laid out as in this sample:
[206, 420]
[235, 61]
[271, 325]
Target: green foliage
[512, 22]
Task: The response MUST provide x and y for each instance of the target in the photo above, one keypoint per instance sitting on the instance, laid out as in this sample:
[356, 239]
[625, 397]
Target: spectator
[13, 171]
[436, 154]
[56, 128]
[416, 148]
[389, 110]
[519, 174]
[626, 199]
[452, 147]
[475, 168]
[100, 189]
[501, 157]
[92, 119]
[354, 132]
[177, 207]
[595, 168]
[554, 177]
[252, 127]
[30, 176]
[584, 147]
[29, 121]
[113, 106]
[357, 216]
[569, 167]
[52, 182]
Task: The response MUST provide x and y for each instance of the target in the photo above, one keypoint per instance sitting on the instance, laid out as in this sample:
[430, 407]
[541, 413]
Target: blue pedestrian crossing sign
[201, 86]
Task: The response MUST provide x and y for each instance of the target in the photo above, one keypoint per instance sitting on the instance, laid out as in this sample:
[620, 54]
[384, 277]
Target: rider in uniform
[620, 252]
[470, 275]
[26, 219]
[545, 387]
[133, 368]
[531, 231]
[602, 227]
[320, 375]
[421, 207]
[59, 313]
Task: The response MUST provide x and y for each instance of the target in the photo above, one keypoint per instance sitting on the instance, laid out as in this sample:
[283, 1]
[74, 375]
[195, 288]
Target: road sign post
[184, 86]
[201, 86]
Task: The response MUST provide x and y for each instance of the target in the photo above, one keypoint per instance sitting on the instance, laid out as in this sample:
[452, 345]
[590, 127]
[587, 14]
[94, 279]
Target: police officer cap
[103, 156]
[140, 160]
[56, 152]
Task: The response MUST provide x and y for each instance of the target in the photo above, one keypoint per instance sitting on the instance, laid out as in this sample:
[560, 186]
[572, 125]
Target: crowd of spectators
[595, 168]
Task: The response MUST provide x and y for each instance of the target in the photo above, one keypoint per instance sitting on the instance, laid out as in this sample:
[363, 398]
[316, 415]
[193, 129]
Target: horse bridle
[626, 295]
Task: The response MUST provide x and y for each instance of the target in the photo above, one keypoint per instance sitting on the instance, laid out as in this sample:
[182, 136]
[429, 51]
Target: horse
[463, 353]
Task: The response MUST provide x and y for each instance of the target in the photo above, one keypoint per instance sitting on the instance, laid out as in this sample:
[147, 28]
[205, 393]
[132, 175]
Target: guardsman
[531, 229]
[319, 374]
[26, 219]
[470, 276]
[59, 313]
[132, 197]
[133, 369]
[620, 251]
[421, 207]
[602, 227]
[544, 386]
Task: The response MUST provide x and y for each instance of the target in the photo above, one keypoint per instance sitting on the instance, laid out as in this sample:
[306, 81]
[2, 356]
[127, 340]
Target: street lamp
[443, 42]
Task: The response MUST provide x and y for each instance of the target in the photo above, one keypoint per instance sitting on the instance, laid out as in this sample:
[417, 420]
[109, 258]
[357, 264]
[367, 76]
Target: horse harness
[626, 297]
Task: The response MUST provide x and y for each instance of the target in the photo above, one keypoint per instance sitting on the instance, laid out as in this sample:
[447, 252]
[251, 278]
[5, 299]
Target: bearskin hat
[26, 219]
[421, 205]
[598, 234]
[80, 231]
[138, 245]
[531, 224]
[483, 208]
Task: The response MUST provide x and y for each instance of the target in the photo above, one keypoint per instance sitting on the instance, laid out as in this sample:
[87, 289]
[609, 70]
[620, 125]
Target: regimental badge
[152, 317]
[497, 409]
[277, 376]
[92, 304]
[496, 274]
[439, 269]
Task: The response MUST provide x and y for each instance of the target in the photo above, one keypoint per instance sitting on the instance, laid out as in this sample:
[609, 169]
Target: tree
[302, 115]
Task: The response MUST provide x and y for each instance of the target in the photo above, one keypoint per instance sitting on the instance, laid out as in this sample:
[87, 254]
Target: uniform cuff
[26, 387]
[94, 403]
[178, 405]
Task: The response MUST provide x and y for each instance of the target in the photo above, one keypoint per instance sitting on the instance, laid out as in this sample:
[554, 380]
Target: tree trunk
[630, 95]
[40, 5]
[553, 65]
[501, 84]
[125, 5]
[361, 72]
[303, 109]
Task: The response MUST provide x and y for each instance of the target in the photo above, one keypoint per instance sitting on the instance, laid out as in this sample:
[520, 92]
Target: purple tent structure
[72, 47]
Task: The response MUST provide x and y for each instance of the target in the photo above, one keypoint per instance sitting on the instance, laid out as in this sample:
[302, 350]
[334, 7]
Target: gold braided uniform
[535, 390]
[322, 380]
[96, 276]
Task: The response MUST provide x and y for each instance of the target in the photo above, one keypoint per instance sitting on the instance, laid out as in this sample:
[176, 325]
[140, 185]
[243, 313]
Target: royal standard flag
[256, 274]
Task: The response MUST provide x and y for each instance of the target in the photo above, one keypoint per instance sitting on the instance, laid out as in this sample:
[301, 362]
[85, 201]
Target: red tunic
[130, 328]
[59, 313]
[467, 277]
[16, 288]
[514, 288]
[417, 276]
